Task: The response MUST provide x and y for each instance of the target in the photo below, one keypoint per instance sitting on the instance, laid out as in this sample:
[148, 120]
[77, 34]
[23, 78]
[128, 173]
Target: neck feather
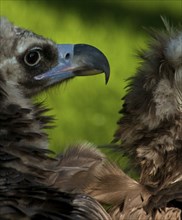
[21, 121]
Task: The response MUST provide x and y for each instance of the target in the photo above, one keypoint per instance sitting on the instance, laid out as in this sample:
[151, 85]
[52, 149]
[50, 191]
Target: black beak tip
[93, 58]
[107, 73]
[105, 66]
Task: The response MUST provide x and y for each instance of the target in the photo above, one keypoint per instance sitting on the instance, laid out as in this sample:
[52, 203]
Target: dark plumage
[150, 129]
[29, 64]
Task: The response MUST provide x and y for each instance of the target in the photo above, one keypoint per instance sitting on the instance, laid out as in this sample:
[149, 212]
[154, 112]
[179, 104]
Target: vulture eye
[33, 57]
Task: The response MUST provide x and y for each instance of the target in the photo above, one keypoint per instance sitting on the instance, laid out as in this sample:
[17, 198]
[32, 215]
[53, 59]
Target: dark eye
[32, 58]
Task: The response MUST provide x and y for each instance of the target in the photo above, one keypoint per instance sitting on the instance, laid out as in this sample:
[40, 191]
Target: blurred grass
[85, 108]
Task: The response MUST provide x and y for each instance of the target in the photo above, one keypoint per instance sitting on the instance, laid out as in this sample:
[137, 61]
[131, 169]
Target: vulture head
[149, 130]
[30, 63]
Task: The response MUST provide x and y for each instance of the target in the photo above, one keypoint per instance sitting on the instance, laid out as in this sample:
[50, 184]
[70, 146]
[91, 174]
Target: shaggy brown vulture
[29, 64]
[150, 129]
[150, 133]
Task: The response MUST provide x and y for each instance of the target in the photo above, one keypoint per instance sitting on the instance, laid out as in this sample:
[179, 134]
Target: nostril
[67, 56]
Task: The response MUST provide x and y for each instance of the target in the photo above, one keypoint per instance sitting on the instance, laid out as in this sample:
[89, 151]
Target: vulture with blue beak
[30, 64]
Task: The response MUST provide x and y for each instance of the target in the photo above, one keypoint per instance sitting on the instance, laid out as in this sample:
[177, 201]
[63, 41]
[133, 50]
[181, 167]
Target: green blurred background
[85, 108]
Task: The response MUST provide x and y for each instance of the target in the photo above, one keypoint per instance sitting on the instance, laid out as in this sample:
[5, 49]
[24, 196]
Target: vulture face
[32, 63]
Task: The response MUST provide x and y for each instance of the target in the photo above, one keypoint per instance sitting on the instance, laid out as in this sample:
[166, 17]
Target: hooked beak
[76, 60]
